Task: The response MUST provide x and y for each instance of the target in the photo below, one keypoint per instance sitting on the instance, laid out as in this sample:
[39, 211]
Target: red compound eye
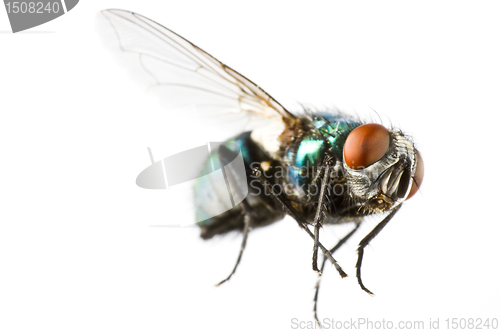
[366, 145]
[418, 177]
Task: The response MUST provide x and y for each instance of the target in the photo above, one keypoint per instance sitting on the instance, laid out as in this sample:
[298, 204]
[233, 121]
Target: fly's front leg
[365, 241]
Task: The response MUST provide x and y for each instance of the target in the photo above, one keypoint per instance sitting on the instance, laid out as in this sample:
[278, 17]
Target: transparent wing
[184, 75]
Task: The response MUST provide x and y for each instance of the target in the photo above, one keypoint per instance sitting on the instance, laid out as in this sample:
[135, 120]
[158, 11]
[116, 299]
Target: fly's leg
[318, 282]
[246, 229]
[320, 214]
[365, 241]
[225, 157]
[300, 220]
[315, 248]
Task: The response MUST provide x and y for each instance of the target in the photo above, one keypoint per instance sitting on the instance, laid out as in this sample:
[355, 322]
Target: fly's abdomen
[218, 197]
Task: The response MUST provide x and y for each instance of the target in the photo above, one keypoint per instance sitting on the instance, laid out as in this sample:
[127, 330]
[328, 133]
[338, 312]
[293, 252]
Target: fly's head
[382, 167]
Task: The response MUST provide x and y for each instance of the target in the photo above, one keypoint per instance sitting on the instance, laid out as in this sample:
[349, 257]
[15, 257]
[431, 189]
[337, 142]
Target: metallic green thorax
[328, 135]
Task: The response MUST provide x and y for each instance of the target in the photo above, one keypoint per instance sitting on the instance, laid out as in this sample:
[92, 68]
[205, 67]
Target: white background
[78, 252]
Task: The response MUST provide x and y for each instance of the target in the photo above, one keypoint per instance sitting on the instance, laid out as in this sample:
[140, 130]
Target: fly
[321, 168]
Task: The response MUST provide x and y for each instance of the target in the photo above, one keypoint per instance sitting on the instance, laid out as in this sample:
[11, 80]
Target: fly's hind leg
[247, 219]
[226, 156]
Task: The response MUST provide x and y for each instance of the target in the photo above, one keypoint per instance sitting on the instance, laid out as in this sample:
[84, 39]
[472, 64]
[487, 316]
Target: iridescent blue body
[295, 169]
